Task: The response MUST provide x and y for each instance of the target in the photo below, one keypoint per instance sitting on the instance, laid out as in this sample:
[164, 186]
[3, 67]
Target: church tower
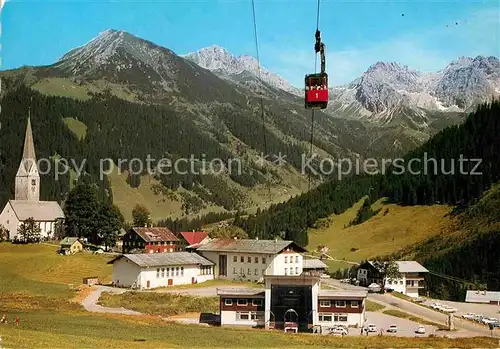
[28, 178]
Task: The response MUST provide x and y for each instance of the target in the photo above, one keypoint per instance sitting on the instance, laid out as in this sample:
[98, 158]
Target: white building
[292, 301]
[247, 259]
[411, 280]
[487, 297]
[27, 202]
[152, 270]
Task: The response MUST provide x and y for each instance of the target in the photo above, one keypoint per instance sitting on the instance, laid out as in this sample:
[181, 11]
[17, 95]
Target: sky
[425, 35]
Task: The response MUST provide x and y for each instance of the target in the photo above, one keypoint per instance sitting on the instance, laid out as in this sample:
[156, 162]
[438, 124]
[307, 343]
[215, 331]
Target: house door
[222, 265]
[170, 282]
[148, 284]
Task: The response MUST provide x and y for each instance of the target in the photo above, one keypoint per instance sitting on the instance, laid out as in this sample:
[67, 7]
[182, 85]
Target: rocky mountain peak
[223, 63]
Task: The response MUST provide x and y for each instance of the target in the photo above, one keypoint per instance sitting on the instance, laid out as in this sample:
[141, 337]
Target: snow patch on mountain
[221, 62]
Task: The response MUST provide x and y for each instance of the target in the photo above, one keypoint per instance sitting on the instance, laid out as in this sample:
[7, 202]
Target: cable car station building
[292, 303]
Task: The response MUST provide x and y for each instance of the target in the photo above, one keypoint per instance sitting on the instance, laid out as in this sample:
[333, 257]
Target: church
[26, 203]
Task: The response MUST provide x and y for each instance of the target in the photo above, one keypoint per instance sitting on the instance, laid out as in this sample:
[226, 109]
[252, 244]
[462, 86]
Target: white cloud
[429, 50]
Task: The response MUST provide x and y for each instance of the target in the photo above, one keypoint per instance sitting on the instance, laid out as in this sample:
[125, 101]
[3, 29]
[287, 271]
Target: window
[291, 271]
[354, 304]
[242, 259]
[340, 304]
[242, 271]
[340, 317]
[234, 270]
[242, 316]
[401, 282]
[33, 182]
[256, 272]
[257, 302]
[263, 271]
[168, 272]
[249, 271]
[158, 272]
[182, 271]
[263, 260]
[235, 259]
[162, 272]
[249, 259]
[325, 317]
[325, 304]
[228, 302]
[242, 302]
[286, 259]
[252, 315]
[286, 271]
[389, 282]
[297, 270]
[256, 259]
[176, 271]
[296, 259]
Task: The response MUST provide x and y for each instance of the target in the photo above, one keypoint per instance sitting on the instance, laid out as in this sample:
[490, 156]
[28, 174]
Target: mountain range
[387, 111]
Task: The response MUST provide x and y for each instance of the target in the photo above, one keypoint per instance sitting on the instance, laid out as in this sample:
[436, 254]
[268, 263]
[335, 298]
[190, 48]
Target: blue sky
[356, 33]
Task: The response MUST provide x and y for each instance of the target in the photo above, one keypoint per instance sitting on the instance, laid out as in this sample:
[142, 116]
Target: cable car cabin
[316, 91]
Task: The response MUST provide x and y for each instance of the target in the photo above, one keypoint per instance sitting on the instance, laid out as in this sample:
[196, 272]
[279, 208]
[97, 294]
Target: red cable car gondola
[316, 85]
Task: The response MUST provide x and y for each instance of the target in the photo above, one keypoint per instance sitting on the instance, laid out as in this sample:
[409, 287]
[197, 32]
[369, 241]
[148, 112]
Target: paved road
[464, 327]
[90, 302]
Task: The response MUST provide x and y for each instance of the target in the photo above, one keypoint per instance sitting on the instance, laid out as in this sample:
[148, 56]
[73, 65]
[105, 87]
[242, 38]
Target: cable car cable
[312, 120]
[260, 93]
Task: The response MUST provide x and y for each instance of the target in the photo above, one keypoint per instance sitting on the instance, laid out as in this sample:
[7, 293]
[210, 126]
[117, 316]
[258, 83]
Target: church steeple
[28, 178]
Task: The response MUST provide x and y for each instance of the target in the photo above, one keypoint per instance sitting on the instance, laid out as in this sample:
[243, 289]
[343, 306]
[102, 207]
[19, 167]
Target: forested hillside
[454, 182]
[468, 251]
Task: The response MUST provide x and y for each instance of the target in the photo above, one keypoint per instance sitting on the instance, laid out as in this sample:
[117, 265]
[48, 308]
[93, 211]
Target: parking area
[488, 310]
[406, 328]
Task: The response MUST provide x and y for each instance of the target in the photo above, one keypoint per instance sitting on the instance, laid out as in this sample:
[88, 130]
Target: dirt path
[90, 302]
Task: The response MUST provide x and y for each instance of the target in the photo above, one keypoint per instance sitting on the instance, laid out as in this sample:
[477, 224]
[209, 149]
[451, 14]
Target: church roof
[38, 210]
[29, 157]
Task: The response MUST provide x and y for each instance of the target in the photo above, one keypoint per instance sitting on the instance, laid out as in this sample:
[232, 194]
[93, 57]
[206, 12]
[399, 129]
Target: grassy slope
[480, 219]
[382, 234]
[33, 287]
[77, 127]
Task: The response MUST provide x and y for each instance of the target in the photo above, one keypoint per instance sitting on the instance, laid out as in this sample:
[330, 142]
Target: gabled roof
[194, 237]
[39, 210]
[411, 267]
[150, 234]
[249, 246]
[164, 259]
[68, 241]
[313, 263]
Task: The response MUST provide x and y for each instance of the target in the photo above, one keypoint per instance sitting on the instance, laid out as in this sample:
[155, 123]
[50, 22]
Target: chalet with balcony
[149, 240]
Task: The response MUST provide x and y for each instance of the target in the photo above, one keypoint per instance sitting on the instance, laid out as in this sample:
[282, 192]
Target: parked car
[420, 330]
[372, 328]
[339, 330]
[470, 316]
[392, 328]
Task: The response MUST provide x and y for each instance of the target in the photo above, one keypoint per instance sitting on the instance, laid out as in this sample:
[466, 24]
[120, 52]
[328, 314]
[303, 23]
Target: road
[90, 302]
[464, 327]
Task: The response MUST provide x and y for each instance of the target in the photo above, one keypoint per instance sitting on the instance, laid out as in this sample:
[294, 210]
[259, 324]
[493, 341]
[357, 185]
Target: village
[269, 284]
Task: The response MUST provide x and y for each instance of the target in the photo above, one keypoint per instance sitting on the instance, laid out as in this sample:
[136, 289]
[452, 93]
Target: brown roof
[150, 234]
